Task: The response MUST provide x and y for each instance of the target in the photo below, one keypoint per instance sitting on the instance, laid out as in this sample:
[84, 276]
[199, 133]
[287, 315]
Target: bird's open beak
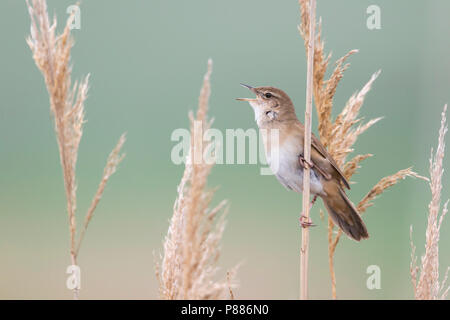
[245, 99]
[251, 89]
[247, 86]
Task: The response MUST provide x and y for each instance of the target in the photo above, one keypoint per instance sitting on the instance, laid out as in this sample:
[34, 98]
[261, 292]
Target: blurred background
[147, 60]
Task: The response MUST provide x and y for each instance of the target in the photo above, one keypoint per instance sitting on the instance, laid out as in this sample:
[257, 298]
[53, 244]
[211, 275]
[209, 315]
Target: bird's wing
[318, 153]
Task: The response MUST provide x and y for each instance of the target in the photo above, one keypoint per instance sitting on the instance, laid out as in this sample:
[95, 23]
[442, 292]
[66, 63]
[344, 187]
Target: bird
[274, 110]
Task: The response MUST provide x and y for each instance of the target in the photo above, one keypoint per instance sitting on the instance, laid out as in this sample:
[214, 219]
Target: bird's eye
[268, 95]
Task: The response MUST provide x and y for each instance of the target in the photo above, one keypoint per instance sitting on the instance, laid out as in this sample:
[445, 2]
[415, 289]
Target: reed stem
[304, 251]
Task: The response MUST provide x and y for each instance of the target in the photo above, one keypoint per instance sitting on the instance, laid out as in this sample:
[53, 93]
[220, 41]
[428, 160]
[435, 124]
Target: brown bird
[274, 110]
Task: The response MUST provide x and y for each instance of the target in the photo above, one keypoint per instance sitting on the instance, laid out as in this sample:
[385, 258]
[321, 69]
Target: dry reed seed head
[337, 75]
[303, 28]
[351, 110]
[426, 277]
[325, 93]
[324, 90]
[52, 56]
[382, 185]
[445, 289]
[113, 161]
[191, 248]
[51, 53]
[345, 139]
[413, 268]
[205, 93]
[171, 264]
[340, 136]
[352, 166]
[428, 286]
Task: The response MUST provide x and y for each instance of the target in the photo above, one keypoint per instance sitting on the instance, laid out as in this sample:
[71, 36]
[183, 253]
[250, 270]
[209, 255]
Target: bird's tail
[343, 212]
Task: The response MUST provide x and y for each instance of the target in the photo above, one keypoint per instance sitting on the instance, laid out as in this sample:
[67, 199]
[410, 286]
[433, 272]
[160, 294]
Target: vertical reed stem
[73, 258]
[307, 153]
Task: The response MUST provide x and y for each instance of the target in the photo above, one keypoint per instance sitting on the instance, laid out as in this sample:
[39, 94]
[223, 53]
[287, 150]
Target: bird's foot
[313, 201]
[305, 223]
[304, 163]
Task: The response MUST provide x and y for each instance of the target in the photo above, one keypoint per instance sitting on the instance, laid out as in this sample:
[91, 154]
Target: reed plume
[425, 279]
[340, 135]
[188, 267]
[51, 53]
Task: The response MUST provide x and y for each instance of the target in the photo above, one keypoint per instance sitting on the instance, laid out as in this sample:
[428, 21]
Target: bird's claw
[305, 223]
[304, 163]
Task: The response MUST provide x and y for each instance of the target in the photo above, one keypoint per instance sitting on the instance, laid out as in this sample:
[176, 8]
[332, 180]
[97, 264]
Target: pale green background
[147, 59]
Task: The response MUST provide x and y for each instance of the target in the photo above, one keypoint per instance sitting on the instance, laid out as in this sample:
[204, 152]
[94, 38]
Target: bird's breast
[284, 163]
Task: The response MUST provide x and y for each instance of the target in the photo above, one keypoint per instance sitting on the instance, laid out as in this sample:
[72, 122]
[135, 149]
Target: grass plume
[51, 53]
[340, 135]
[425, 279]
[191, 248]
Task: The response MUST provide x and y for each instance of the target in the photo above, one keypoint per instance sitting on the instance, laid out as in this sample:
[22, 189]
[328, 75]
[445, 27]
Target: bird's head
[270, 104]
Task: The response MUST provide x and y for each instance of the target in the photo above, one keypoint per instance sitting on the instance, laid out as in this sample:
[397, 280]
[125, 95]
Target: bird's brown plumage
[275, 110]
[321, 158]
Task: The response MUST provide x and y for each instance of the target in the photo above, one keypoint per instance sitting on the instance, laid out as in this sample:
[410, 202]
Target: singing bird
[274, 110]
